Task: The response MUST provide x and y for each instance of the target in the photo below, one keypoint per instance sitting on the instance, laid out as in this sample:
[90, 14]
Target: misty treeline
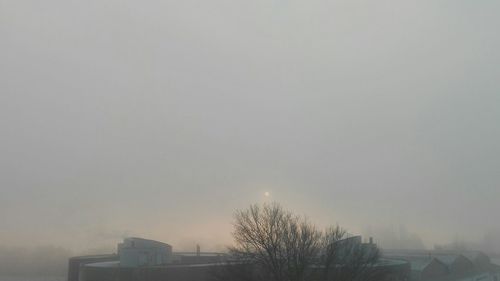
[39, 261]
[398, 237]
[390, 237]
[272, 243]
[489, 244]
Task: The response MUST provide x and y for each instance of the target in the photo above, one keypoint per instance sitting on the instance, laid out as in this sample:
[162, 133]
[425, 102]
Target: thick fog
[160, 118]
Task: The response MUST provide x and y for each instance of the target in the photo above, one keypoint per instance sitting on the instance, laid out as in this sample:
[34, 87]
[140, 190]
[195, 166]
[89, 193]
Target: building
[144, 259]
[353, 248]
[464, 266]
[457, 265]
[139, 252]
[479, 259]
[141, 259]
[423, 267]
[76, 264]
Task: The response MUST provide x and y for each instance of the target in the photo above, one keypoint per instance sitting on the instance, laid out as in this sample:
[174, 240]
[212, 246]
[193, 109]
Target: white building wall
[137, 252]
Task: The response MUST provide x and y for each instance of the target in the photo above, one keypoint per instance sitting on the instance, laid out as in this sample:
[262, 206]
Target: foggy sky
[160, 118]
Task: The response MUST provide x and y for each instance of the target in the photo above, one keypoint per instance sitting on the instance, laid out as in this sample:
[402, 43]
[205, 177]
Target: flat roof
[95, 256]
[105, 264]
[148, 240]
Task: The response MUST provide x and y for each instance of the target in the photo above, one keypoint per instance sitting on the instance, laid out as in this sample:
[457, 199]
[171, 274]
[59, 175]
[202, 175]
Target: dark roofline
[149, 240]
[95, 256]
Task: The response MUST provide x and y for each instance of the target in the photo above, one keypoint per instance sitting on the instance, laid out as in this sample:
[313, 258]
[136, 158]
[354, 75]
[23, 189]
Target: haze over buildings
[158, 119]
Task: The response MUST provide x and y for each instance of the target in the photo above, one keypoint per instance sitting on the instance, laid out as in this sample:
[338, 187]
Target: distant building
[353, 247]
[457, 264]
[447, 265]
[479, 259]
[427, 268]
[141, 259]
[138, 258]
[139, 252]
[76, 264]
[423, 267]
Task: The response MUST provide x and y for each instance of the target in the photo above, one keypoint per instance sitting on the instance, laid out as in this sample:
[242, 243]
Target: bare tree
[329, 256]
[346, 258]
[281, 246]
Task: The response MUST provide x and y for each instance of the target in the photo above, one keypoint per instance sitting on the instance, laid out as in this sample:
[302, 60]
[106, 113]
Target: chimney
[371, 240]
[197, 250]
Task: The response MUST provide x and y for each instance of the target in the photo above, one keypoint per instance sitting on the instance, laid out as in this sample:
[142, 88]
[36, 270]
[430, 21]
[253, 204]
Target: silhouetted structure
[446, 265]
[139, 252]
[182, 266]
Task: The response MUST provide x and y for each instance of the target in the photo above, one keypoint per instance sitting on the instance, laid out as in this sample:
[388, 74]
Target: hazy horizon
[159, 119]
